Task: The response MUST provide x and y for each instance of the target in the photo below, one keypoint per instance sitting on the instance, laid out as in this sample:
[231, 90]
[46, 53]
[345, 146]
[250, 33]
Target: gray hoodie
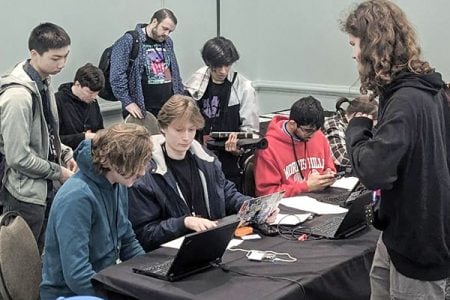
[24, 139]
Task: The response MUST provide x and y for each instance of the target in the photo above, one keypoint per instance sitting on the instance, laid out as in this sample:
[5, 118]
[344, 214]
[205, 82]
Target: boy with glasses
[298, 158]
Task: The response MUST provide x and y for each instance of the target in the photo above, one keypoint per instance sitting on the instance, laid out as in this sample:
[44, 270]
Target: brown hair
[180, 108]
[125, 148]
[388, 43]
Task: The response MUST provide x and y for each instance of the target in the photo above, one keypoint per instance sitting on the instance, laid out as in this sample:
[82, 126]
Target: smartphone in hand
[339, 175]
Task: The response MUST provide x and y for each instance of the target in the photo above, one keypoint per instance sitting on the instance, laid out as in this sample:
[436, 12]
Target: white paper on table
[307, 203]
[176, 244]
[347, 183]
[291, 219]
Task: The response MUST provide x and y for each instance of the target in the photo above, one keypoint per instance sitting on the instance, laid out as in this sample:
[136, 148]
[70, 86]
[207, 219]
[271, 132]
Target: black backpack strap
[135, 46]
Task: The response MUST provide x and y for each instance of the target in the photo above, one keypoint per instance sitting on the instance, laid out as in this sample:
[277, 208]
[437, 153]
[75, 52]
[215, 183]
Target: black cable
[293, 233]
[227, 270]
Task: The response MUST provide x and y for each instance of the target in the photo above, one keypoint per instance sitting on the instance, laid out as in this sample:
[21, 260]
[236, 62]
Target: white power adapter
[256, 255]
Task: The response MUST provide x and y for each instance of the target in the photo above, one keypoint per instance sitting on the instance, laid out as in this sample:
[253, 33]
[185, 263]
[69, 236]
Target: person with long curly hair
[406, 156]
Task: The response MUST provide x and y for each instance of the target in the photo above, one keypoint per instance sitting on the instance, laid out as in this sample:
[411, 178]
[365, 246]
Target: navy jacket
[406, 157]
[156, 207]
[128, 89]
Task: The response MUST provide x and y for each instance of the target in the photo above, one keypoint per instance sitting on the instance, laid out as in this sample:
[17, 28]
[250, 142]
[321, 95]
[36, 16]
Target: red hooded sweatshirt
[275, 167]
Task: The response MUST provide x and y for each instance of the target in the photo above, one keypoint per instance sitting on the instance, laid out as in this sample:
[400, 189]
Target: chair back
[150, 122]
[20, 262]
[248, 178]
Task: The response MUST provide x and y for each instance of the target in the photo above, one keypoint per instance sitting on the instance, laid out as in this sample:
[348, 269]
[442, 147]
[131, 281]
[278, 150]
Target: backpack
[105, 65]
[33, 108]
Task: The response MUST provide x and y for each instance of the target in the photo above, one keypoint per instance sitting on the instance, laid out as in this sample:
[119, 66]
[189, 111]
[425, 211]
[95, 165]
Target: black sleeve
[376, 156]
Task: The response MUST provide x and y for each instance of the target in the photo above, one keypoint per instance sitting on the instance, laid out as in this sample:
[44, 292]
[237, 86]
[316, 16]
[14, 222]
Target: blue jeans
[387, 283]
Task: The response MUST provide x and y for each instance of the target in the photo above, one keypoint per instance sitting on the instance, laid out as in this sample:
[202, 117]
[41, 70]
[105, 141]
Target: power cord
[227, 269]
[297, 232]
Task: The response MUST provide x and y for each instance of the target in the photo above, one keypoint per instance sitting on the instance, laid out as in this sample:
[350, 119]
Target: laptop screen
[257, 210]
[200, 249]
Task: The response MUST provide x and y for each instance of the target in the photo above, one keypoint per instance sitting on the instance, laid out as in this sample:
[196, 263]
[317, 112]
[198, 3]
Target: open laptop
[257, 210]
[340, 225]
[198, 251]
[339, 196]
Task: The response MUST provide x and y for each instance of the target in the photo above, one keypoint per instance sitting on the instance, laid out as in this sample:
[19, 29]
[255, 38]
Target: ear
[33, 53]
[154, 22]
[292, 123]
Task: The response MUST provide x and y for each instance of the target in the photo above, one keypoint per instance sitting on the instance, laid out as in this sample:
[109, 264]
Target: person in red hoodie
[298, 158]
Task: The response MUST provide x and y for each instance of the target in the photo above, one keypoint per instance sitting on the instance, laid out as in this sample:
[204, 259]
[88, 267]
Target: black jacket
[156, 207]
[406, 157]
[75, 116]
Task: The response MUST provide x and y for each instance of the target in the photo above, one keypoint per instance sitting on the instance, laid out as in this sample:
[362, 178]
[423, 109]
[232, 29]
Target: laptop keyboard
[344, 199]
[329, 227]
[162, 268]
[335, 199]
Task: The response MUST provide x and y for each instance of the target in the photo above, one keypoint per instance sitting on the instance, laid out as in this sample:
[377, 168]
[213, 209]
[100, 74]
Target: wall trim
[305, 88]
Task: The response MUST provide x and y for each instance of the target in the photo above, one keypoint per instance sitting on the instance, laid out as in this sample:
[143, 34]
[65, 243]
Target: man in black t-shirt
[226, 100]
[154, 75]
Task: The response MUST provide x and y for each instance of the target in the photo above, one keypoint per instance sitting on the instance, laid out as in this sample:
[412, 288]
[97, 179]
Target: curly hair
[388, 43]
[125, 148]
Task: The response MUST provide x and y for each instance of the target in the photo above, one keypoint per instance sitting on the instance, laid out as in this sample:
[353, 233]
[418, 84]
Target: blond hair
[180, 108]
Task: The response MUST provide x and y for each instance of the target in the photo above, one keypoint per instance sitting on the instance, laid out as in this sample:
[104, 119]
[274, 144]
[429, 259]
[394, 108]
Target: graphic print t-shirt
[157, 79]
[214, 107]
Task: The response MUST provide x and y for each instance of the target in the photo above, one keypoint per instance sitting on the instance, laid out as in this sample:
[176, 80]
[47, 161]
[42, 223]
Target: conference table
[325, 269]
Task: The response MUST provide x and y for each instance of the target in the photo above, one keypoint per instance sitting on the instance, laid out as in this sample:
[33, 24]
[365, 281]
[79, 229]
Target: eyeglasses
[307, 130]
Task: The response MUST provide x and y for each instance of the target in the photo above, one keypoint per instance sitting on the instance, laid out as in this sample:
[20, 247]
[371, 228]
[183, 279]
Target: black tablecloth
[326, 269]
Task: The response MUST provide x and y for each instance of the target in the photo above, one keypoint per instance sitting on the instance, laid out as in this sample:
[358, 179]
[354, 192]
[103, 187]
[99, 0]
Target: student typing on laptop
[186, 189]
[88, 229]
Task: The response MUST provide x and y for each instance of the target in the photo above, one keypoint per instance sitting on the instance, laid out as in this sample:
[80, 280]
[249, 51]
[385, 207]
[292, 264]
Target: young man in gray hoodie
[29, 135]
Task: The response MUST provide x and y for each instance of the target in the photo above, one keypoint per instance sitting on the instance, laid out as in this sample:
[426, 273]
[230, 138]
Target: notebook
[340, 225]
[257, 210]
[199, 251]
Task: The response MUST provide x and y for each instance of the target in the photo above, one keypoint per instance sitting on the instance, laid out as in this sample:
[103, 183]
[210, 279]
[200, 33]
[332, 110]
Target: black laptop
[199, 251]
[339, 196]
[339, 226]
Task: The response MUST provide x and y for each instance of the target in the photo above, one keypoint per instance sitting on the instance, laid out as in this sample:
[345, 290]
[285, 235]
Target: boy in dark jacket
[186, 190]
[78, 110]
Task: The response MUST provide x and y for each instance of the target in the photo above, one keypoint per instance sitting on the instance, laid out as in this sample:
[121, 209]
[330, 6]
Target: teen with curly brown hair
[88, 228]
[406, 156]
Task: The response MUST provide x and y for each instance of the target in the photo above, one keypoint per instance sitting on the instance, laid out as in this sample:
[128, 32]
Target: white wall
[289, 48]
